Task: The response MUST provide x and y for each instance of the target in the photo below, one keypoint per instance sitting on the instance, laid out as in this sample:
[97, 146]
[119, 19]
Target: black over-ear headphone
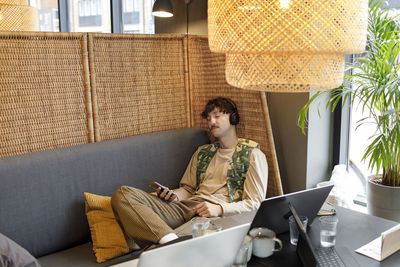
[234, 118]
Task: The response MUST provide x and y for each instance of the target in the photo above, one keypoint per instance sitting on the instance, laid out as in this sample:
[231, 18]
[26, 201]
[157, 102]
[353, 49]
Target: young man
[227, 177]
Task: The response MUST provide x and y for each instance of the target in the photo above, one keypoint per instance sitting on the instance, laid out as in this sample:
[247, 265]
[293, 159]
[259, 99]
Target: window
[129, 16]
[136, 16]
[360, 136]
[89, 15]
[48, 17]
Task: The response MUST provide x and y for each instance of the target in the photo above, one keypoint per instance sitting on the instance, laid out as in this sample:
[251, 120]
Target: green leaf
[302, 115]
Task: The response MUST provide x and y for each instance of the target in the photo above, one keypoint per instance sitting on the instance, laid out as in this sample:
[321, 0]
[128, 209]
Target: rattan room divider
[138, 84]
[65, 89]
[44, 92]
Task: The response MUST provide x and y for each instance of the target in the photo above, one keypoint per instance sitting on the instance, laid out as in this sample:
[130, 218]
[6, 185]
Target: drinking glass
[328, 225]
[294, 231]
[199, 226]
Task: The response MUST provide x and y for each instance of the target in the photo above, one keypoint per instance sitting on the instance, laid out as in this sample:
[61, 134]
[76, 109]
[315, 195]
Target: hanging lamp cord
[187, 2]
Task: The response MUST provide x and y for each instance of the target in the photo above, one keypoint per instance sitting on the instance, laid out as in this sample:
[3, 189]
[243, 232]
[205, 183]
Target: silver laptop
[217, 249]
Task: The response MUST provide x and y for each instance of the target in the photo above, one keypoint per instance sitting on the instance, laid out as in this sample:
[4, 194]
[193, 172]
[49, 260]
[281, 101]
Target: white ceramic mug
[264, 242]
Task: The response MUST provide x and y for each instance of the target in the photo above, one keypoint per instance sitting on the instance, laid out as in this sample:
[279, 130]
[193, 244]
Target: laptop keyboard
[327, 257]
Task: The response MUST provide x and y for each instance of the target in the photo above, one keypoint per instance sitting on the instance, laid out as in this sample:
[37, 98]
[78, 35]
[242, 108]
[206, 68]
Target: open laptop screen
[274, 212]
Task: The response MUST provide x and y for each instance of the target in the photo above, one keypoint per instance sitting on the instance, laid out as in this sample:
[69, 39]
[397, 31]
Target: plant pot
[383, 201]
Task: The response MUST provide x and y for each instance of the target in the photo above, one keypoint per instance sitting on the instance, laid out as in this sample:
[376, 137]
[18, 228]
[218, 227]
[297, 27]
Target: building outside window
[136, 16]
[95, 15]
[90, 16]
[48, 14]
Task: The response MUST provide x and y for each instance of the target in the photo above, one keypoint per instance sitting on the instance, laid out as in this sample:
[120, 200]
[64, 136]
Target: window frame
[117, 25]
[342, 127]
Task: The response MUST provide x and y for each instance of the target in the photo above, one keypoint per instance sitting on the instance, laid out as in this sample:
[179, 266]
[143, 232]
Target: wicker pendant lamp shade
[286, 45]
[17, 15]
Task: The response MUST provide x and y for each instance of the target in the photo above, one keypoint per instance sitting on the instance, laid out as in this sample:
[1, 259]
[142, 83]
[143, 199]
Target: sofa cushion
[12, 254]
[107, 236]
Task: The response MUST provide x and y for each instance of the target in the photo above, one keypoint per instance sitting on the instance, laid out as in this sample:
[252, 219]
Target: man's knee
[124, 195]
[116, 195]
[116, 199]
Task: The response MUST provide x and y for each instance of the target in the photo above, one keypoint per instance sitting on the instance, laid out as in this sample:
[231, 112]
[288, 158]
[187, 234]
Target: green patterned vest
[237, 169]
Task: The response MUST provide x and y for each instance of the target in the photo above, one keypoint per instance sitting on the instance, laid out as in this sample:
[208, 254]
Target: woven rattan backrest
[44, 92]
[207, 81]
[138, 84]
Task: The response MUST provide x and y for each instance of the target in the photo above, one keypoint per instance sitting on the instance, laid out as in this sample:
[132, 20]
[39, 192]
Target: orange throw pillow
[107, 236]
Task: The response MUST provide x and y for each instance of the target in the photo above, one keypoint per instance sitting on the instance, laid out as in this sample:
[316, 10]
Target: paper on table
[383, 246]
[372, 249]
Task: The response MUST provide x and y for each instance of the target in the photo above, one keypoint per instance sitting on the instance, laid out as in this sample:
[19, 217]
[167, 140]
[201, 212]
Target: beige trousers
[146, 218]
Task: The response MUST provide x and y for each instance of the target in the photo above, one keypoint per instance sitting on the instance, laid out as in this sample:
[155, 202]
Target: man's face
[218, 122]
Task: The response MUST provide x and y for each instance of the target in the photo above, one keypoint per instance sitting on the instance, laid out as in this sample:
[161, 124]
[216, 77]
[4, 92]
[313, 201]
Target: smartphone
[156, 185]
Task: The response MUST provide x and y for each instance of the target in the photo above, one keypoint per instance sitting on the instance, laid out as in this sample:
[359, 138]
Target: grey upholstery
[81, 256]
[41, 193]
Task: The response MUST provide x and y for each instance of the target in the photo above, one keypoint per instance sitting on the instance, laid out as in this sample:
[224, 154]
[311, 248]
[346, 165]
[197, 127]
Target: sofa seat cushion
[81, 256]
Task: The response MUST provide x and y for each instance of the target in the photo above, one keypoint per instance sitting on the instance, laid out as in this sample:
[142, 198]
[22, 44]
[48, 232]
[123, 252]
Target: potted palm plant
[375, 83]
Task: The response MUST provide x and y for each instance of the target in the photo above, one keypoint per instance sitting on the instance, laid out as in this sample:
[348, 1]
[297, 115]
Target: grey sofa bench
[41, 194]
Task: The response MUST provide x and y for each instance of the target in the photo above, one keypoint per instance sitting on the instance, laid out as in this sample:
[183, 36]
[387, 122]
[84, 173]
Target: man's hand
[166, 194]
[207, 209]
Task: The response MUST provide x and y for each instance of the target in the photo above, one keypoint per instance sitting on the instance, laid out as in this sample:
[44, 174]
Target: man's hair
[225, 105]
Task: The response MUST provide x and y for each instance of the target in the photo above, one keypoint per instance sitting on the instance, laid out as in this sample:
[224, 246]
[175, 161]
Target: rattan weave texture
[287, 45]
[207, 81]
[138, 84]
[257, 26]
[286, 73]
[18, 16]
[44, 96]
[15, 2]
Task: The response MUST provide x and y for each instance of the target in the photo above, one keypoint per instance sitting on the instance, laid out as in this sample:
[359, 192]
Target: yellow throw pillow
[107, 236]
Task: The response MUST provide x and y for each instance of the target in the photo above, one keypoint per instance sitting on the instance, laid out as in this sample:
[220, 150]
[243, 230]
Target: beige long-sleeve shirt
[214, 188]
